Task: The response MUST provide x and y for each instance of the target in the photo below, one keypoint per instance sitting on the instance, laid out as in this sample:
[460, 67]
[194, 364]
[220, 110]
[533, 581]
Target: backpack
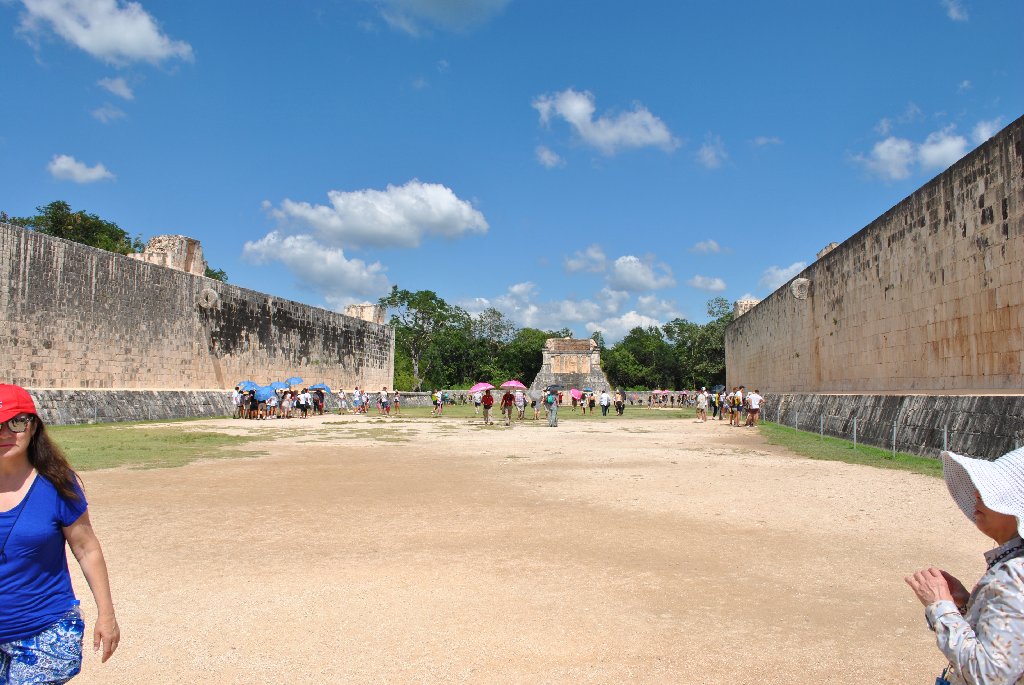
[550, 398]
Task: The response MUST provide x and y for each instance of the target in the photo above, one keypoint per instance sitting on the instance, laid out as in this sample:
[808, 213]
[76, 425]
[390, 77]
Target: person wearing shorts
[357, 401]
[43, 510]
[397, 403]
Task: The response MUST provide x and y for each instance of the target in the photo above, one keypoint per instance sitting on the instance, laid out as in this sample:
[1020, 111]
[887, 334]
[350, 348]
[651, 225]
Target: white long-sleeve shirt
[985, 645]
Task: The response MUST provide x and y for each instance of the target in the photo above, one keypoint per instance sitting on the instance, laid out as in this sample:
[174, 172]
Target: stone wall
[75, 317]
[927, 298]
[985, 426]
[571, 363]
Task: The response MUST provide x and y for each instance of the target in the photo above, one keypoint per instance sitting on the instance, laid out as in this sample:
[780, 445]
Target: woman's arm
[86, 547]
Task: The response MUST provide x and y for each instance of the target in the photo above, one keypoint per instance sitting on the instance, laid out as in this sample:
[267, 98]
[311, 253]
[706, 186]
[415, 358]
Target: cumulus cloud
[609, 134]
[955, 10]
[612, 300]
[118, 86]
[113, 31]
[984, 130]
[412, 16]
[108, 113]
[592, 259]
[322, 269]
[776, 276]
[942, 148]
[519, 303]
[67, 168]
[890, 159]
[399, 216]
[548, 157]
[632, 274]
[708, 283]
[712, 153]
[761, 141]
[707, 247]
[615, 328]
[651, 305]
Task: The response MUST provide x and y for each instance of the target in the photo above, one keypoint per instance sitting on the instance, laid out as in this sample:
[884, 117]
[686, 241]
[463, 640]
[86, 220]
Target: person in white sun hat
[981, 632]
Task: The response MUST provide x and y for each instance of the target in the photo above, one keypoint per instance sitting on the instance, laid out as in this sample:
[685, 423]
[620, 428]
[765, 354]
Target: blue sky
[591, 165]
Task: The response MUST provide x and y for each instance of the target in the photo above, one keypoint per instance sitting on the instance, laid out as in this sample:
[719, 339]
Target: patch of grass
[813, 446]
[104, 446]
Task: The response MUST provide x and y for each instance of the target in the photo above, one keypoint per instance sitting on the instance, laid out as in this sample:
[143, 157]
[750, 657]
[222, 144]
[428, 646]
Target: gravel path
[424, 551]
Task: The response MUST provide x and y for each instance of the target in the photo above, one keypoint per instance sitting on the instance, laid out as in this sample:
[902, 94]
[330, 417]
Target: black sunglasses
[19, 424]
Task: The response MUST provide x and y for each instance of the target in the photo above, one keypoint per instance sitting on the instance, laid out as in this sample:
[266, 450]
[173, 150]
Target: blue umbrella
[279, 385]
[248, 385]
[294, 380]
[265, 393]
[322, 386]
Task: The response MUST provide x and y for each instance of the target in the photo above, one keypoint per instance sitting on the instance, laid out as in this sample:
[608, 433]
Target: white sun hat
[1000, 483]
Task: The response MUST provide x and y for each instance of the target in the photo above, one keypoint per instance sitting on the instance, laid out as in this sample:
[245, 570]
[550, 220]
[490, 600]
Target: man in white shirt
[702, 405]
[604, 401]
[753, 407]
[236, 400]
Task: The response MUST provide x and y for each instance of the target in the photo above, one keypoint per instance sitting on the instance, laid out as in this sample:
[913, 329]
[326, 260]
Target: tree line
[440, 345]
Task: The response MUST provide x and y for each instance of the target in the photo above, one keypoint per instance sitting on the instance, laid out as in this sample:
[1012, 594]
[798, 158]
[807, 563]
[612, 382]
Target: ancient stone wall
[571, 363]
[928, 298]
[78, 317]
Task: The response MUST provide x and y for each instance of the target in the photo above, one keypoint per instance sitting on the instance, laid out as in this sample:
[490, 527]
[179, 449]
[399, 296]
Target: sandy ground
[598, 552]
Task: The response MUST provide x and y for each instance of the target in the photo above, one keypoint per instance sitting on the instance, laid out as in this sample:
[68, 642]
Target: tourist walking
[605, 401]
[396, 403]
[487, 401]
[702, 405]
[980, 632]
[42, 509]
[507, 402]
[520, 404]
[754, 400]
[551, 402]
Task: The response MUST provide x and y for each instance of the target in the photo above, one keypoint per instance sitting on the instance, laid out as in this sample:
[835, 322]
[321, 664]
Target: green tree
[216, 274]
[643, 359]
[420, 318]
[58, 220]
[699, 350]
[522, 357]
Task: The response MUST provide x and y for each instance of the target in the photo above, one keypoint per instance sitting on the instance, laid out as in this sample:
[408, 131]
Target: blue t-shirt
[35, 586]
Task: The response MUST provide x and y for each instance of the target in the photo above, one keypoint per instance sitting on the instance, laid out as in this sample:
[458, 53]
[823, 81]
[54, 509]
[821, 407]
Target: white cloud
[747, 296]
[548, 157]
[708, 283]
[118, 86]
[890, 158]
[67, 168]
[420, 83]
[964, 86]
[632, 274]
[108, 113]
[984, 130]
[942, 148]
[399, 216]
[635, 129]
[612, 300]
[955, 10]
[761, 141]
[712, 153]
[519, 304]
[650, 305]
[442, 65]
[592, 259]
[320, 268]
[113, 31]
[884, 127]
[409, 16]
[775, 276]
[615, 328]
[707, 247]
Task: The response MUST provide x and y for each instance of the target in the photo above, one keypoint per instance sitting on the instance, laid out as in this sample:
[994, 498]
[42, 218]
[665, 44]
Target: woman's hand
[107, 633]
[960, 593]
[931, 586]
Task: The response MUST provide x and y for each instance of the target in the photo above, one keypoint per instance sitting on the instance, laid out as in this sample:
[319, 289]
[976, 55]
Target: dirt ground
[610, 551]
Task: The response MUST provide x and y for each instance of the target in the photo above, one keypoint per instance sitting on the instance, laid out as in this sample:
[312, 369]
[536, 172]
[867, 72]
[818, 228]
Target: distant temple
[571, 363]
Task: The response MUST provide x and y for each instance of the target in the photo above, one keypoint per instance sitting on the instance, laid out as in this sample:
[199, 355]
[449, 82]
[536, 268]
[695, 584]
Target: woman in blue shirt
[42, 507]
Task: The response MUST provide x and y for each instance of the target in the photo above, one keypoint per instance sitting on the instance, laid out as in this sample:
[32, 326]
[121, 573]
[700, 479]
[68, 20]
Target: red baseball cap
[15, 400]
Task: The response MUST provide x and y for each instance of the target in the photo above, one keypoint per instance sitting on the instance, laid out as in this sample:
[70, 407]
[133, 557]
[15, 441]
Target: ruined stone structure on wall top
[571, 363]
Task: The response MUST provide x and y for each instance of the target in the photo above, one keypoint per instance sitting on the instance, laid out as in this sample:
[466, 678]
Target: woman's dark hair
[50, 462]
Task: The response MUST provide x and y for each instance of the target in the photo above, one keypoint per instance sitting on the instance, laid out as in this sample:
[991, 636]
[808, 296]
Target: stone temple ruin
[570, 363]
[174, 252]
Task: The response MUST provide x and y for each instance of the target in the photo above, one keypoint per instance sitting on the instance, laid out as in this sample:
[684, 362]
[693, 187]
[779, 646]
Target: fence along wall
[927, 298]
[78, 317]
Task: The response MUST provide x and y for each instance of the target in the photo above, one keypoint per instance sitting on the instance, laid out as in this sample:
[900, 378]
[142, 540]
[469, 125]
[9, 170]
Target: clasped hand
[934, 585]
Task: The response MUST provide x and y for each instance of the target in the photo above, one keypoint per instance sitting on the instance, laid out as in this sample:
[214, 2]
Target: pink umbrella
[480, 387]
[576, 394]
[513, 384]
